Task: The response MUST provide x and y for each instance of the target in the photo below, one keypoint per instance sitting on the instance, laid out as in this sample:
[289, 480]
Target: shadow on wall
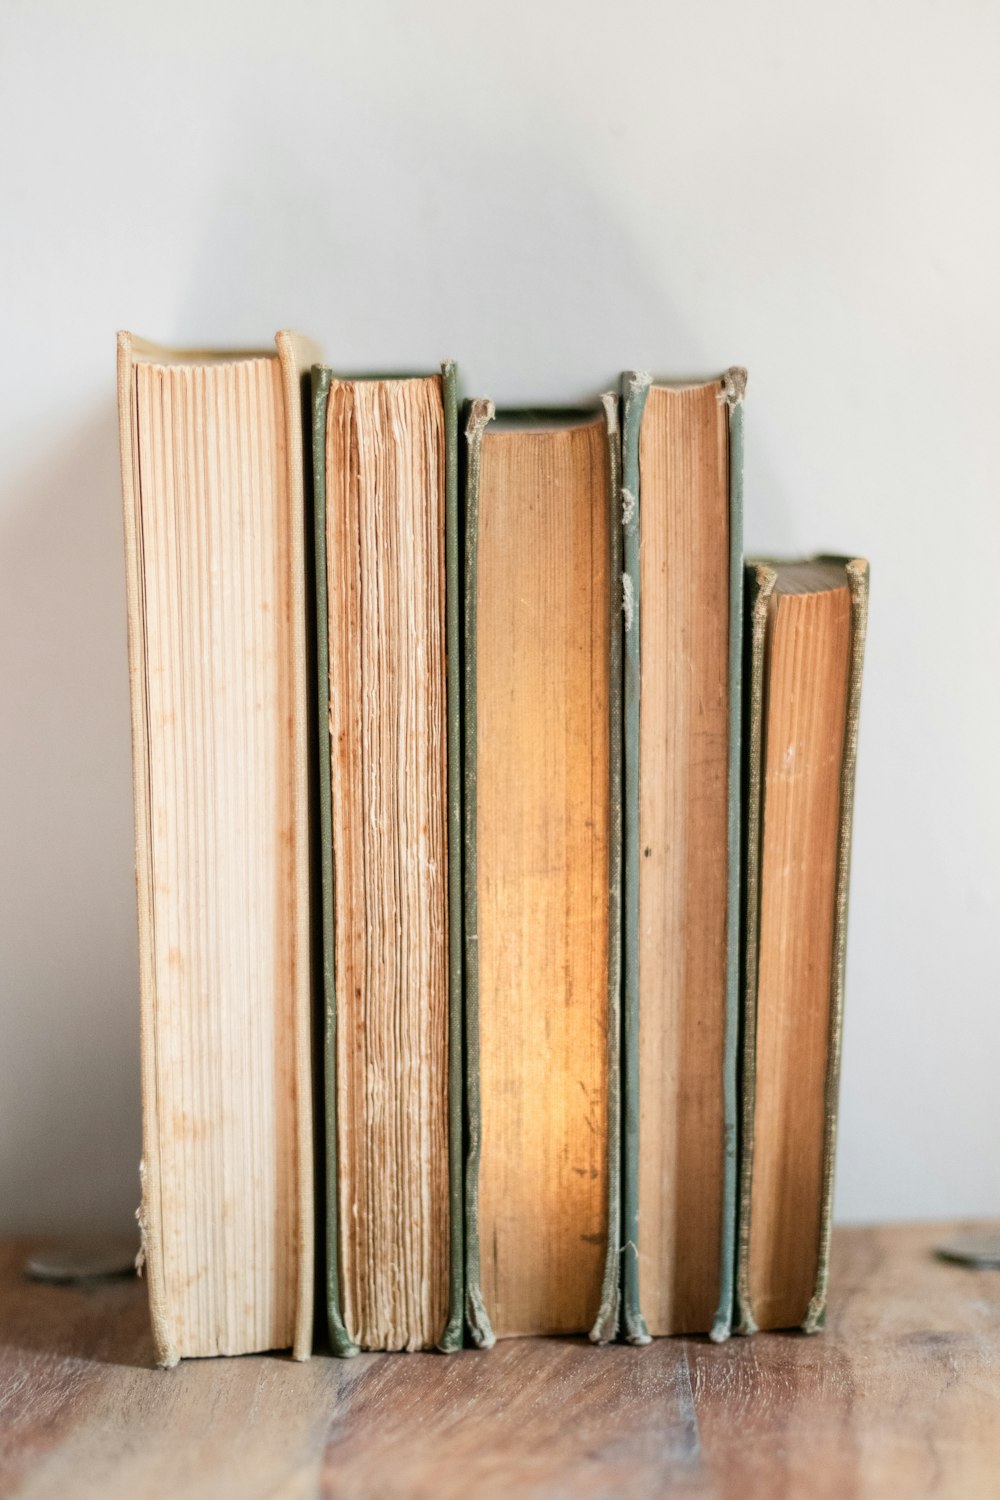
[69, 1022]
[396, 241]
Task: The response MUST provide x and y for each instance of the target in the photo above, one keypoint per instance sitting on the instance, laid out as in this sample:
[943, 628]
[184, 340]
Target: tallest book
[212, 480]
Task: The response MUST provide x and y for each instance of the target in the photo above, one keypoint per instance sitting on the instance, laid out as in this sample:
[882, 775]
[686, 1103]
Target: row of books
[493, 823]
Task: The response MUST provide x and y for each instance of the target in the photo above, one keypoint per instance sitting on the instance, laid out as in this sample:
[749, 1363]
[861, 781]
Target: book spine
[760, 581]
[341, 1342]
[606, 1323]
[480, 415]
[857, 579]
[451, 1337]
[733, 390]
[151, 1249]
[635, 389]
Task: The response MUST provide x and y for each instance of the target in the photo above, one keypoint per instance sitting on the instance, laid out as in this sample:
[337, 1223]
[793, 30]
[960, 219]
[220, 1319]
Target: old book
[212, 478]
[542, 865]
[805, 644]
[682, 522]
[387, 584]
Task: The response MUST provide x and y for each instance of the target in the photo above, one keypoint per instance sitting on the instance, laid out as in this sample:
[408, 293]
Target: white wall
[547, 191]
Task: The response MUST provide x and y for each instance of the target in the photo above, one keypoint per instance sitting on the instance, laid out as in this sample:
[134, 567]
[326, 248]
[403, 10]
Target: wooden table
[899, 1397]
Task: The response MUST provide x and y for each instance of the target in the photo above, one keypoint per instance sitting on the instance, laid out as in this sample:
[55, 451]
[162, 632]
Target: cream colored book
[212, 482]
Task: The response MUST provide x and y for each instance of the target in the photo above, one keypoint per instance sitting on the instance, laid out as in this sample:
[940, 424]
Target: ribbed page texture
[213, 538]
[385, 496]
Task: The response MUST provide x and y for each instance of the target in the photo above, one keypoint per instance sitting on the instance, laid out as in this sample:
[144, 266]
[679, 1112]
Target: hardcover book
[212, 480]
[806, 625]
[682, 525]
[542, 871]
[387, 587]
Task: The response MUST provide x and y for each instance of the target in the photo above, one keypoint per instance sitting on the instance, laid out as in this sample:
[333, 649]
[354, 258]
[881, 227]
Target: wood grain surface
[899, 1397]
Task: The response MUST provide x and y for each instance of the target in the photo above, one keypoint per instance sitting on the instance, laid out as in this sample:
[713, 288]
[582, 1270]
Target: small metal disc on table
[93, 1259]
[980, 1251]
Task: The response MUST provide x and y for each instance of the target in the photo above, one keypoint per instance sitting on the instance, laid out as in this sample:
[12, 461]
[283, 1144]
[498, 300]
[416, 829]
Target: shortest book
[805, 646]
